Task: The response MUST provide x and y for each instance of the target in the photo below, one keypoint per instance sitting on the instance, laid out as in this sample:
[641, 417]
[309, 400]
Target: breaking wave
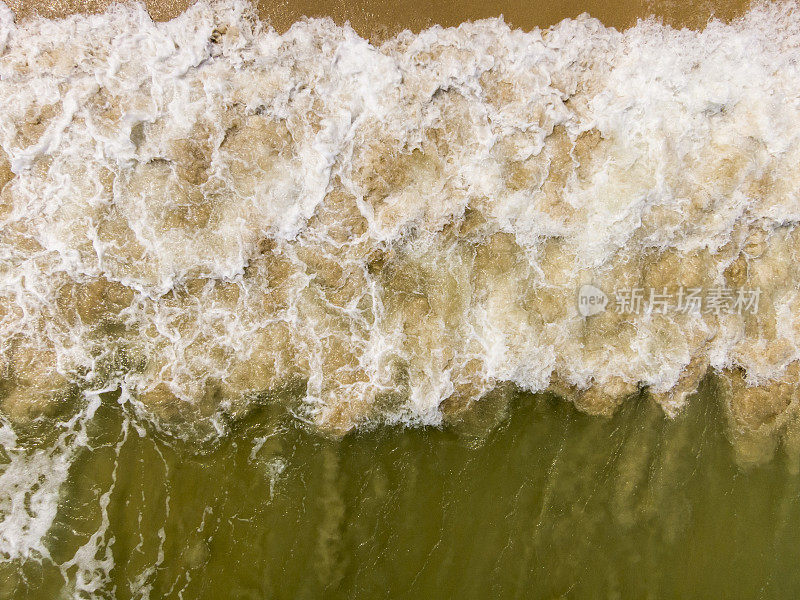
[207, 214]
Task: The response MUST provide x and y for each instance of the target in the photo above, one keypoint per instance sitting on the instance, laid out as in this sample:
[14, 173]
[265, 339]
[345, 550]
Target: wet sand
[378, 20]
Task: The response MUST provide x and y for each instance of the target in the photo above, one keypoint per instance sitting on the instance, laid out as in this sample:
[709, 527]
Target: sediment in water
[208, 215]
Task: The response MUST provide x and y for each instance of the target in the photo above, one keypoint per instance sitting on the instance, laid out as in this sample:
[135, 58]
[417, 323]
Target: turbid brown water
[380, 19]
[548, 504]
[152, 468]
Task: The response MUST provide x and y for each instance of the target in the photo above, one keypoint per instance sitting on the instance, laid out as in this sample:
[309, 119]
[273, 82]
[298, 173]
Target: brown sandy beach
[378, 19]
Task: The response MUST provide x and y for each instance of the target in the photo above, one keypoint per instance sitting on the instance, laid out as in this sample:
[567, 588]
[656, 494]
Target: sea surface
[466, 311]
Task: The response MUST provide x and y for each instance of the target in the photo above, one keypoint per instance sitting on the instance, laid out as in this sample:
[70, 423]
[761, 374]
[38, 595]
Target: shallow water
[550, 503]
[378, 20]
[294, 315]
[207, 211]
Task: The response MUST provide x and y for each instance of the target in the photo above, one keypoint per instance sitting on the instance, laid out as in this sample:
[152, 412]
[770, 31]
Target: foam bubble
[213, 213]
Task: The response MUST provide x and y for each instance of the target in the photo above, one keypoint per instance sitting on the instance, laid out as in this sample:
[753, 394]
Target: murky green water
[551, 503]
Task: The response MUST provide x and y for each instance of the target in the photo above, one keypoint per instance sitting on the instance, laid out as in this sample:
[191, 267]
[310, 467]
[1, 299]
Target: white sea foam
[30, 481]
[214, 212]
[206, 213]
